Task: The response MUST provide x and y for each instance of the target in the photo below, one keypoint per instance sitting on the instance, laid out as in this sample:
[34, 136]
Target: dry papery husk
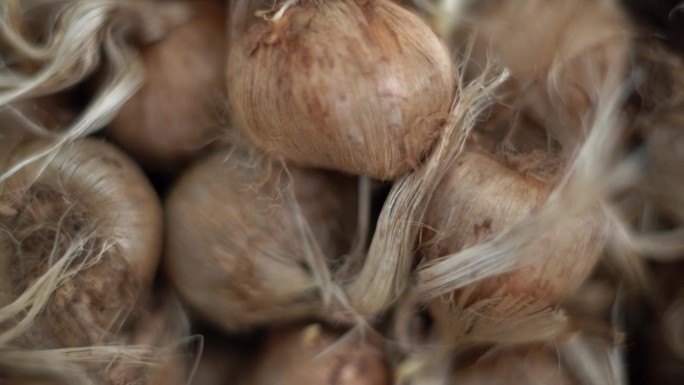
[362, 286]
[80, 235]
[478, 198]
[177, 111]
[543, 224]
[74, 39]
[250, 242]
[314, 354]
[349, 85]
[159, 352]
[562, 56]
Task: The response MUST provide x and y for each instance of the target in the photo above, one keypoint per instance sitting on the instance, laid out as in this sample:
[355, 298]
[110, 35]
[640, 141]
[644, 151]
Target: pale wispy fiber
[83, 37]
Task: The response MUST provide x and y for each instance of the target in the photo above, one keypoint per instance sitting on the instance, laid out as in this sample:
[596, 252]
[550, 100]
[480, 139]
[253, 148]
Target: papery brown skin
[535, 365]
[563, 57]
[176, 113]
[91, 191]
[308, 356]
[235, 251]
[354, 86]
[480, 197]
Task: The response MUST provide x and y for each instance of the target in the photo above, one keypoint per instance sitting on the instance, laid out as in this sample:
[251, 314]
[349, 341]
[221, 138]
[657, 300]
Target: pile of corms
[338, 192]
